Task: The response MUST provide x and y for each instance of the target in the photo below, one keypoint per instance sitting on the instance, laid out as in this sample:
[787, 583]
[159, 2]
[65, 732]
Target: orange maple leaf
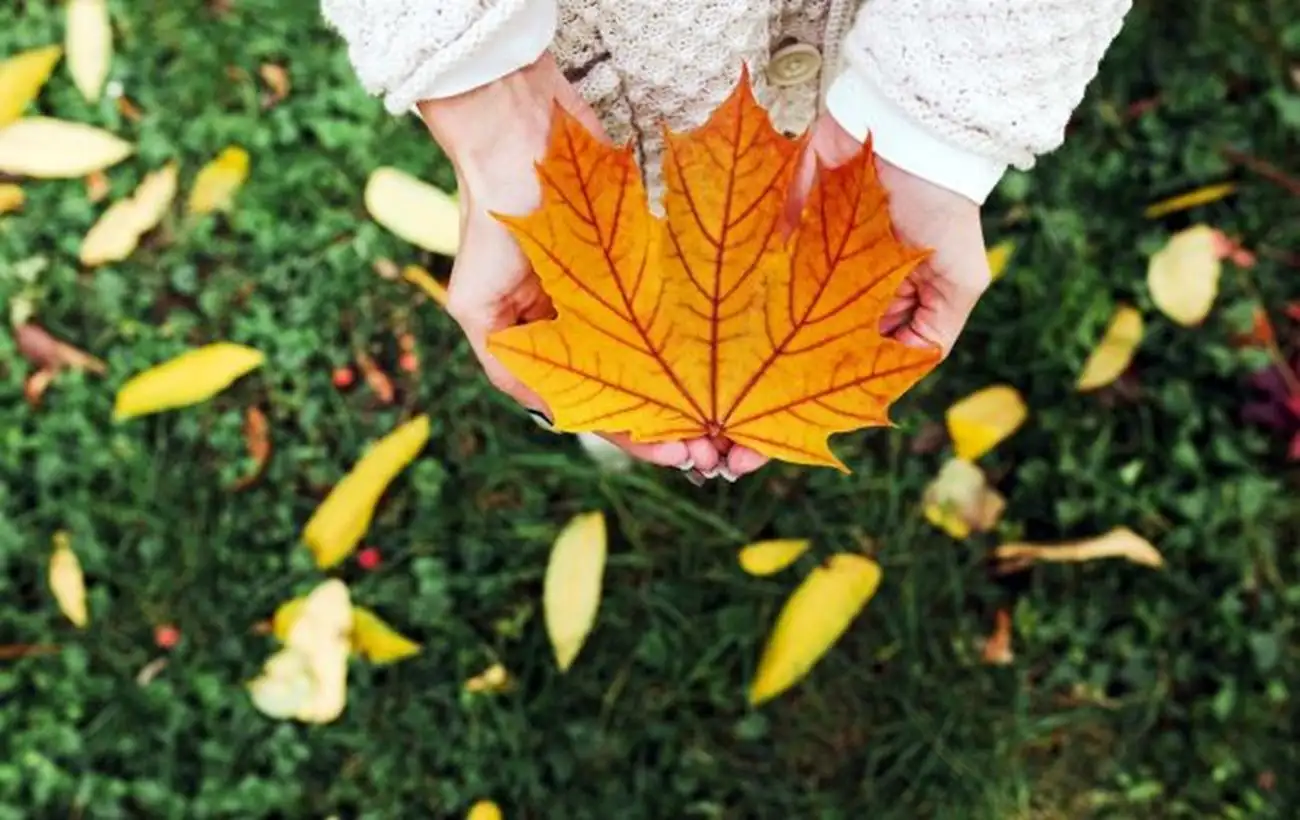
[711, 321]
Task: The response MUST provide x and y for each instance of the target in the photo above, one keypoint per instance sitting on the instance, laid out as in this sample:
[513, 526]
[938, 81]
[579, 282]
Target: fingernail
[727, 474]
[688, 464]
[541, 419]
[695, 478]
[712, 472]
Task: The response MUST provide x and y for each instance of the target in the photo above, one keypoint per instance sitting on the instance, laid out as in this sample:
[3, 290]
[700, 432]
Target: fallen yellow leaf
[770, 557]
[999, 255]
[493, 679]
[484, 810]
[572, 587]
[1113, 354]
[66, 581]
[1120, 542]
[11, 198]
[21, 79]
[218, 182]
[307, 679]
[1183, 276]
[997, 647]
[46, 148]
[117, 233]
[982, 420]
[1191, 199]
[343, 517]
[414, 210]
[812, 620]
[89, 41]
[424, 280]
[286, 614]
[190, 378]
[378, 642]
[960, 500]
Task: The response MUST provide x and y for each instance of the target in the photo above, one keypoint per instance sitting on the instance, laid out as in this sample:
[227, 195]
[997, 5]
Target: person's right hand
[493, 135]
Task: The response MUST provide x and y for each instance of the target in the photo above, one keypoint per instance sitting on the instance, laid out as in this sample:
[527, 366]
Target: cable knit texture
[997, 78]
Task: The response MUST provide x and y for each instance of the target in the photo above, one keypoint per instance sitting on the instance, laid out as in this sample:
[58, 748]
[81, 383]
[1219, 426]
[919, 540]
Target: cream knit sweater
[951, 90]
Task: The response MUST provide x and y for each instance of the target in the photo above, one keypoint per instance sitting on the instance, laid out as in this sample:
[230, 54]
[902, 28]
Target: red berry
[409, 362]
[344, 377]
[368, 558]
[166, 636]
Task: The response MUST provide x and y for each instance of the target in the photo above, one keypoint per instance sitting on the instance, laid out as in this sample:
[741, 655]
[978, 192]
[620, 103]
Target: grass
[1133, 693]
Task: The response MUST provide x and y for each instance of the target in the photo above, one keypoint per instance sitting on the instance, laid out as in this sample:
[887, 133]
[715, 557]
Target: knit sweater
[954, 91]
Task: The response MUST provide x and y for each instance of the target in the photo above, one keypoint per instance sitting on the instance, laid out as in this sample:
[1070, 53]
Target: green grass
[1190, 669]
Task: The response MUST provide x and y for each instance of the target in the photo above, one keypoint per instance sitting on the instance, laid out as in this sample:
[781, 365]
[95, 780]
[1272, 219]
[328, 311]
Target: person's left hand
[932, 306]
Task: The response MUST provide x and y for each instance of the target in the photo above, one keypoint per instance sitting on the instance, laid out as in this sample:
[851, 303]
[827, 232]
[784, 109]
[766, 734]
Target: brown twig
[1263, 168]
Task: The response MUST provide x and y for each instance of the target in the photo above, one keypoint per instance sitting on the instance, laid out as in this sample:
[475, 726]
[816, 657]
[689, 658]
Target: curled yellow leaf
[67, 582]
[414, 210]
[1183, 276]
[190, 378]
[770, 557]
[89, 40]
[307, 679]
[960, 500]
[117, 233]
[1191, 199]
[484, 810]
[343, 517]
[218, 182]
[1114, 353]
[11, 198]
[21, 79]
[814, 617]
[1121, 542]
[493, 679]
[46, 148]
[572, 587]
[982, 420]
[378, 642]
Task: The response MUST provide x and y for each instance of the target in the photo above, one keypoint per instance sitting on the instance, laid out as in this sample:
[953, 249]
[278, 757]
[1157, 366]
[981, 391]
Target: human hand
[493, 135]
[933, 304]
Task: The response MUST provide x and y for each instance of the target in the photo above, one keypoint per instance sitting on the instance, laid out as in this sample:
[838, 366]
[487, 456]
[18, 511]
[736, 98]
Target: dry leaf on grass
[998, 256]
[413, 210]
[276, 78]
[257, 437]
[188, 379]
[66, 580]
[307, 679]
[490, 681]
[89, 43]
[484, 810]
[46, 148]
[997, 647]
[770, 557]
[343, 517]
[814, 617]
[376, 379]
[21, 78]
[48, 353]
[982, 420]
[1183, 276]
[218, 182]
[960, 500]
[11, 198]
[117, 233]
[378, 642]
[15, 651]
[1114, 353]
[98, 187]
[1191, 199]
[1120, 542]
[711, 322]
[572, 586]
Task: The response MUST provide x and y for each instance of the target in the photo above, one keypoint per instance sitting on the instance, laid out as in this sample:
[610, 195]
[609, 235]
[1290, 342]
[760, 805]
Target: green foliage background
[1134, 693]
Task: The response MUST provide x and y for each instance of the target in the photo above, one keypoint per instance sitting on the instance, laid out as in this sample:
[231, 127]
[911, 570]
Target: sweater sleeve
[412, 50]
[955, 91]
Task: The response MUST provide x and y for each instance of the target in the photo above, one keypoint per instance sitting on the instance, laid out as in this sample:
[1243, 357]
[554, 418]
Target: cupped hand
[493, 135]
[933, 304]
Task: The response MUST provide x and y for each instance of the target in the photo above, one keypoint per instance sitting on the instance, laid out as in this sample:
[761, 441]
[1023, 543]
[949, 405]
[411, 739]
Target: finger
[940, 317]
[664, 453]
[743, 461]
[704, 455]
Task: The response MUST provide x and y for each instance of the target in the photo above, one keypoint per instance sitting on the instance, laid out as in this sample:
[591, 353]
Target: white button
[794, 64]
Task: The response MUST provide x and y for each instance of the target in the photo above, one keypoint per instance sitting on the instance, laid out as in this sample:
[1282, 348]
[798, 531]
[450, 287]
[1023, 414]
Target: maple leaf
[712, 321]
